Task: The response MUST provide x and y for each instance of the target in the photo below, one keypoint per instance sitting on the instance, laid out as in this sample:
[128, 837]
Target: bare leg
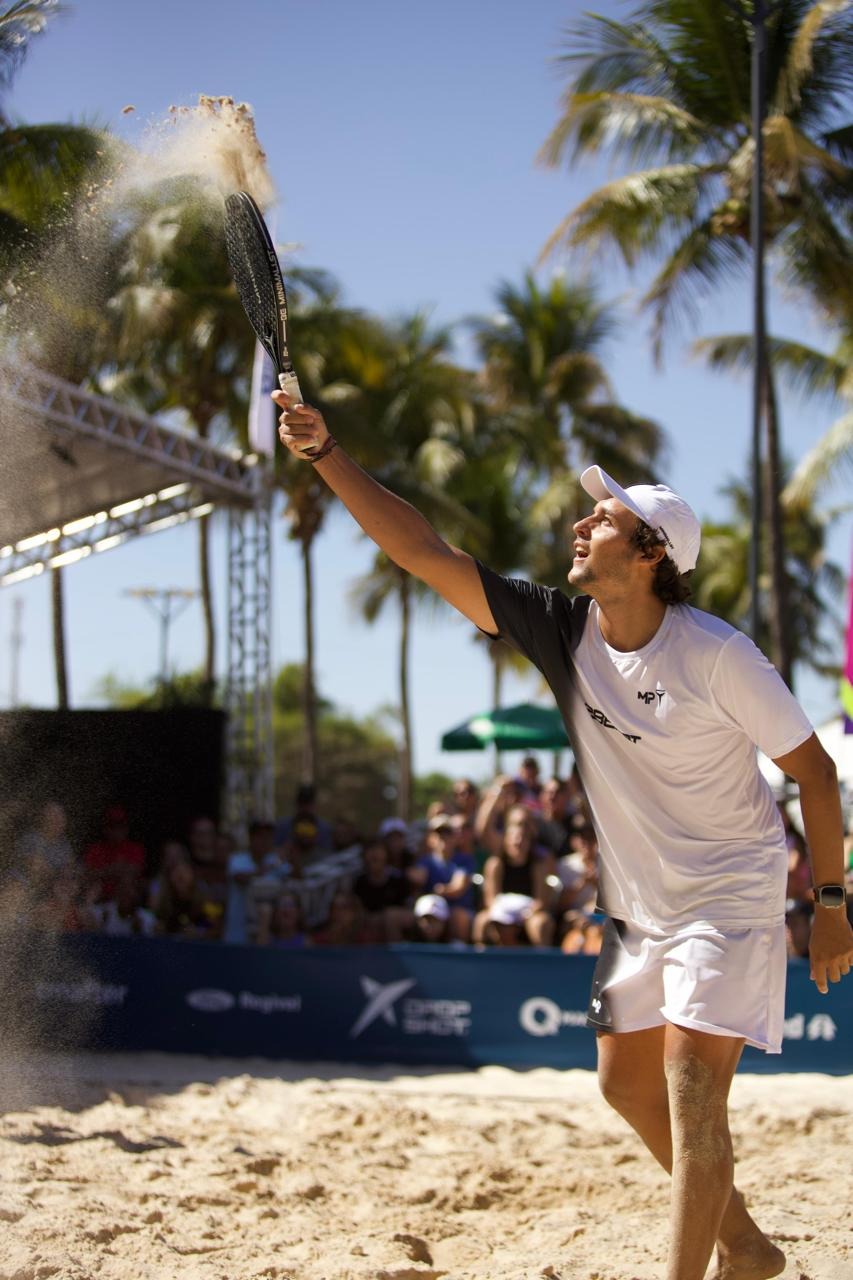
[540, 929]
[632, 1078]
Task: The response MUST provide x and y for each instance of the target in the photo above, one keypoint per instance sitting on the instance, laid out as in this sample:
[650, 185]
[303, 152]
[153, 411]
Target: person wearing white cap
[665, 706]
[432, 918]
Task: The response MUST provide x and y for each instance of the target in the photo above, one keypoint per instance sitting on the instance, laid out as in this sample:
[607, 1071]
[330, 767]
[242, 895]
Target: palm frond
[625, 443]
[701, 261]
[806, 371]
[815, 256]
[789, 153]
[799, 64]
[825, 465]
[634, 212]
[638, 126]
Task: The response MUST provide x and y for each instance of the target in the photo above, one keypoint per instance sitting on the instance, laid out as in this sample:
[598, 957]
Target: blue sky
[402, 138]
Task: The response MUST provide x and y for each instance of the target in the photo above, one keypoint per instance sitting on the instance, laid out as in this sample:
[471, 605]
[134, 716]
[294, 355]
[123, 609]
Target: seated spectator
[432, 919]
[108, 860]
[65, 907]
[494, 807]
[281, 924]
[555, 818]
[302, 847]
[123, 915]
[505, 923]
[171, 853]
[579, 814]
[584, 934]
[209, 861]
[254, 874]
[183, 909]
[45, 848]
[345, 925]
[578, 872]
[446, 871]
[517, 868]
[382, 891]
[304, 810]
[345, 834]
[467, 842]
[466, 799]
[529, 784]
[394, 834]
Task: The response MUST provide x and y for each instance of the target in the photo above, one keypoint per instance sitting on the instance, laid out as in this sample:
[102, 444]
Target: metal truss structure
[85, 475]
[249, 748]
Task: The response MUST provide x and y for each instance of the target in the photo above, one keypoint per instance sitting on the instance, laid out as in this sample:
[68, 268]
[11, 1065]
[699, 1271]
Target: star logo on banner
[381, 997]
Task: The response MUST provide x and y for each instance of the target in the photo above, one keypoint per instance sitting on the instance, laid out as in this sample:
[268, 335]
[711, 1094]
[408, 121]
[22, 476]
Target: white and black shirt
[665, 741]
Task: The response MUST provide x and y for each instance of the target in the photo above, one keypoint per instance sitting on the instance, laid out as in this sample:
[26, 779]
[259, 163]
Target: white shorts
[727, 982]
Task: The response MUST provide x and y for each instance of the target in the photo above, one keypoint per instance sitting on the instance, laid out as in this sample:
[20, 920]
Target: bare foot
[754, 1259]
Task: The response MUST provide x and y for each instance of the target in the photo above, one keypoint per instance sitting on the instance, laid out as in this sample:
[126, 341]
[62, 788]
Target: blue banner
[401, 1004]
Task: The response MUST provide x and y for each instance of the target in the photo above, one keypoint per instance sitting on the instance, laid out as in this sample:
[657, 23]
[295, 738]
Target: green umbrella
[519, 728]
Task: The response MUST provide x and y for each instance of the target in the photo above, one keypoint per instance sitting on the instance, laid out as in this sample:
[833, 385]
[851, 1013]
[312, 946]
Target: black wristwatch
[830, 895]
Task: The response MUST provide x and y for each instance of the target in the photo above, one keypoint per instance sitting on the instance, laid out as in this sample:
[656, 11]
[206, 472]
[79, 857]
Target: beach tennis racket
[260, 284]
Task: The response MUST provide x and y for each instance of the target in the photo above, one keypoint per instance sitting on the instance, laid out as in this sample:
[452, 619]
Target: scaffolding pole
[249, 753]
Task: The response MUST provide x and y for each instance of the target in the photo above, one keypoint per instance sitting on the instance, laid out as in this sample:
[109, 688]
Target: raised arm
[394, 525]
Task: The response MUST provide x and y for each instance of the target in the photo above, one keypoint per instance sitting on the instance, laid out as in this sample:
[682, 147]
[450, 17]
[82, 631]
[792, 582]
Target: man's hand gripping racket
[260, 285]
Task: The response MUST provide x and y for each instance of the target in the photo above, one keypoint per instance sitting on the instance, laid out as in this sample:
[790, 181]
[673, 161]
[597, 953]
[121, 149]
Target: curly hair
[668, 584]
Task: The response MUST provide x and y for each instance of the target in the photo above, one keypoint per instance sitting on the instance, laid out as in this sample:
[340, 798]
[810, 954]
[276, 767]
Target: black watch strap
[830, 895]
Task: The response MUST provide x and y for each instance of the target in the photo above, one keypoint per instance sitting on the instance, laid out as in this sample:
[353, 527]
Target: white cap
[392, 824]
[660, 508]
[511, 908]
[431, 904]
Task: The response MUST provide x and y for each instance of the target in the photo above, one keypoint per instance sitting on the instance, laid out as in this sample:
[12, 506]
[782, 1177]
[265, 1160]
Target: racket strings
[252, 275]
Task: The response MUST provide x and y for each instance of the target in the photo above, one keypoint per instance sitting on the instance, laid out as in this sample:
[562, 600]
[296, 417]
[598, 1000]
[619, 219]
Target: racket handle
[289, 384]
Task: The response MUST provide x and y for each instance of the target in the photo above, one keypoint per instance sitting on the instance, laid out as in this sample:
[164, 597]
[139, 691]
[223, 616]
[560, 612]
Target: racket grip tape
[289, 384]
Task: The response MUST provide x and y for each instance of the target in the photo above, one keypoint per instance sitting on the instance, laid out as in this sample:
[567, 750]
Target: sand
[153, 1166]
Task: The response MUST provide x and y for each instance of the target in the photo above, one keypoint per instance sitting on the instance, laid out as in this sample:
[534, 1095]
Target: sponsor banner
[406, 1004]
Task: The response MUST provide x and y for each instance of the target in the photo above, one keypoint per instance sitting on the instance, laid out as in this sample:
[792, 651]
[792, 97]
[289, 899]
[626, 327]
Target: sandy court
[153, 1166]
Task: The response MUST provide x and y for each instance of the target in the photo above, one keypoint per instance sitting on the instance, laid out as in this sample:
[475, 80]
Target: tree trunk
[404, 803]
[202, 418]
[309, 702]
[780, 645]
[209, 667]
[60, 657]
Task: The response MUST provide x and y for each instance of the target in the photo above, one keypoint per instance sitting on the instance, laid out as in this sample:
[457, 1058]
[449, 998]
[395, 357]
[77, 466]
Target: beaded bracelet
[330, 444]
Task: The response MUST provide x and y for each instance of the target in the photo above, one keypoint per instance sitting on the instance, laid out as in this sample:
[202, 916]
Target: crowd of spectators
[514, 864]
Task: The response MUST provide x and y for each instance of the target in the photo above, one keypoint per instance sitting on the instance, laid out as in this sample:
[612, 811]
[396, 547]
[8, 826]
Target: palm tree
[370, 594]
[42, 170]
[180, 340]
[670, 89]
[721, 579]
[415, 405]
[814, 375]
[543, 368]
[325, 331]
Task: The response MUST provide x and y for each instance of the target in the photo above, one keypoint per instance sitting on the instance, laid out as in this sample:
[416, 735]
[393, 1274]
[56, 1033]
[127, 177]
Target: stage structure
[83, 475]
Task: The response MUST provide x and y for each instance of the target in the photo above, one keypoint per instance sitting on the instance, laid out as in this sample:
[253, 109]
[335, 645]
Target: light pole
[756, 14]
[167, 603]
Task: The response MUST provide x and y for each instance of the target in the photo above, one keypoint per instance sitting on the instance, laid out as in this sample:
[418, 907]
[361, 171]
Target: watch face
[831, 895]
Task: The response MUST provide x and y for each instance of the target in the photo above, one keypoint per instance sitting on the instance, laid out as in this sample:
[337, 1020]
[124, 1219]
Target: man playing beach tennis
[665, 706]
